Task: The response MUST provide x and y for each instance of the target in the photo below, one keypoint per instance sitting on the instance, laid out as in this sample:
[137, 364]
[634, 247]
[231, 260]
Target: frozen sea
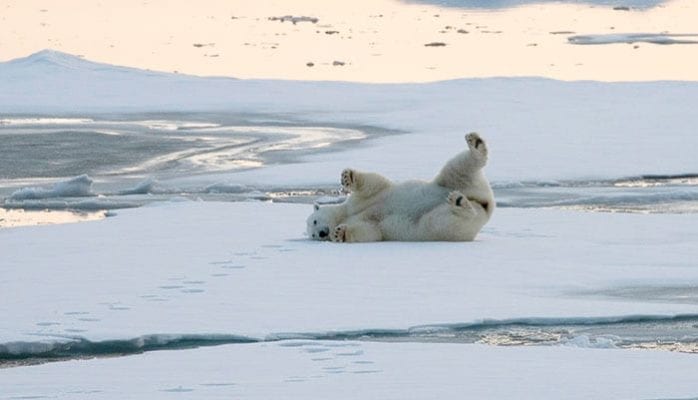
[200, 282]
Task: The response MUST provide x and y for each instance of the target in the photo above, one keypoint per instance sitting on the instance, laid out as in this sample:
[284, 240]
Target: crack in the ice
[670, 333]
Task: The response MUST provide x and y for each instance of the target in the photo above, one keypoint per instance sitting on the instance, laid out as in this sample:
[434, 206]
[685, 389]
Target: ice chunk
[80, 186]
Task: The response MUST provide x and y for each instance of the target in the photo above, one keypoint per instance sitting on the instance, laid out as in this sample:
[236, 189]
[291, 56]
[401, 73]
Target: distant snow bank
[80, 186]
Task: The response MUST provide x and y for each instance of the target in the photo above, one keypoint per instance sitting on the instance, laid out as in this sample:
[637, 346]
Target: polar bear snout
[320, 234]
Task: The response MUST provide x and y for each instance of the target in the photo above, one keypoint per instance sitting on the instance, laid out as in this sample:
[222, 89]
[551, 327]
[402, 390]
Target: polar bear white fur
[452, 207]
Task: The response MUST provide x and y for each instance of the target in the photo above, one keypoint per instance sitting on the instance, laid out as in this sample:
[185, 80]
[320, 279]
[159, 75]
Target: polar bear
[452, 207]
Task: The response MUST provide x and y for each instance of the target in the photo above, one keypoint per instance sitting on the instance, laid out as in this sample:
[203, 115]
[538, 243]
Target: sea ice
[249, 268]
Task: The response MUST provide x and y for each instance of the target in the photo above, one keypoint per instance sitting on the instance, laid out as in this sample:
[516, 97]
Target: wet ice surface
[643, 194]
[107, 162]
[159, 145]
[110, 162]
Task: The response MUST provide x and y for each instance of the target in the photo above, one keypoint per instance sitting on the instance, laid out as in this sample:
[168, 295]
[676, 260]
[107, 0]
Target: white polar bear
[452, 207]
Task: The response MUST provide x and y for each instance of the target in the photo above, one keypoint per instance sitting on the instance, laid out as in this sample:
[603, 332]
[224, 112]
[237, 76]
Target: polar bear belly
[400, 211]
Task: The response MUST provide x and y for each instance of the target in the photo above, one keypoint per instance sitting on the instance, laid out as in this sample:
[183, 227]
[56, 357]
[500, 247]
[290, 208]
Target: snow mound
[80, 186]
[51, 60]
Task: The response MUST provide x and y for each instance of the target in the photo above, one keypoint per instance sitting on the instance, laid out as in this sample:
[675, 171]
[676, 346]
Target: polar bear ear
[316, 206]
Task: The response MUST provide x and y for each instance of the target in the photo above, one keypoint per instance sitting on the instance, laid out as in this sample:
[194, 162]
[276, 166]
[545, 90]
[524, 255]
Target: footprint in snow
[170, 287]
[71, 330]
[178, 389]
[217, 384]
[194, 282]
[316, 349]
[47, 323]
[334, 370]
[351, 353]
[227, 264]
[192, 290]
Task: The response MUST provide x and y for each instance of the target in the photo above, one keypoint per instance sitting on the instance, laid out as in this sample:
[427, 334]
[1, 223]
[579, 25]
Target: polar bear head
[320, 222]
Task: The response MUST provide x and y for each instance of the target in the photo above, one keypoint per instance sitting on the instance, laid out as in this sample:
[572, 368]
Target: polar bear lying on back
[453, 207]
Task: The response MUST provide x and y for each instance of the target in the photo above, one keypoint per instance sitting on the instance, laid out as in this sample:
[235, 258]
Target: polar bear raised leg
[460, 205]
[359, 231]
[363, 184]
[459, 171]
[458, 219]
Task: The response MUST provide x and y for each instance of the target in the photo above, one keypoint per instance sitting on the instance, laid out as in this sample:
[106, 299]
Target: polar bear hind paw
[339, 233]
[347, 179]
[476, 143]
[459, 202]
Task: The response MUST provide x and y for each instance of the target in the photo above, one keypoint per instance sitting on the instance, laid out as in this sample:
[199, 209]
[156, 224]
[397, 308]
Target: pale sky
[365, 40]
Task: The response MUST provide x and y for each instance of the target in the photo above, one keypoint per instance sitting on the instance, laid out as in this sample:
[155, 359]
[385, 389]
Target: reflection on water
[496, 4]
[164, 145]
[15, 218]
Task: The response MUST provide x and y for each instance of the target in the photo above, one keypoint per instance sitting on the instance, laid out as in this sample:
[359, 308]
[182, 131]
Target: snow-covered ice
[351, 370]
[153, 270]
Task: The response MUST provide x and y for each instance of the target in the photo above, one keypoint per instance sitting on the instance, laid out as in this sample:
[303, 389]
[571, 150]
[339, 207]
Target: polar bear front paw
[459, 202]
[348, 179]
[476, 144]
[339, 233]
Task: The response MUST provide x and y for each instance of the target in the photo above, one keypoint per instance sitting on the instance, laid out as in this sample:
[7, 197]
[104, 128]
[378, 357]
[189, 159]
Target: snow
[350, 370]
[153, 270]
